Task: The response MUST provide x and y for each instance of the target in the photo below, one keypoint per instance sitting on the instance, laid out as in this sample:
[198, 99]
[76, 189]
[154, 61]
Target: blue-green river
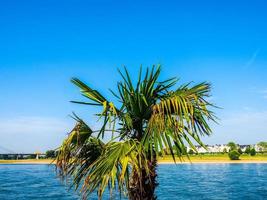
[185, 181]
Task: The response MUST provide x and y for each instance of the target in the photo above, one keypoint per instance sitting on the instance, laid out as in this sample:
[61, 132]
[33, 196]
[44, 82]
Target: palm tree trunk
[144, 189]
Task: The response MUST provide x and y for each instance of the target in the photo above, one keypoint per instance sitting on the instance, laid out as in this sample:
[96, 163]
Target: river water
[182, 181]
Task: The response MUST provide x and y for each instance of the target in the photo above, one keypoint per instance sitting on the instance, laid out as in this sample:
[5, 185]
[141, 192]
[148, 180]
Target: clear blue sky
[45, 43]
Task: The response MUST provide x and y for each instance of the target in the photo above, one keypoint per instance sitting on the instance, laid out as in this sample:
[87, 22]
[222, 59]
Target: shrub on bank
[253, 152]
[232, 146]
[50, 154]
[191, 152]
[247, 151]
[234, 155]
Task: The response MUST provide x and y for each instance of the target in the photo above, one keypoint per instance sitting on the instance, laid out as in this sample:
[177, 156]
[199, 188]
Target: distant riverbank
[27, 161]
[216, 158]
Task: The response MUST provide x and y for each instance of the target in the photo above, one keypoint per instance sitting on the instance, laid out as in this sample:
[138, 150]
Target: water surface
[196, 181]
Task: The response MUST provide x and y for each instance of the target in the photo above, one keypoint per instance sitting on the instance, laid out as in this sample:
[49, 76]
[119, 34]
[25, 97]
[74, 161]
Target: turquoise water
[196, 181]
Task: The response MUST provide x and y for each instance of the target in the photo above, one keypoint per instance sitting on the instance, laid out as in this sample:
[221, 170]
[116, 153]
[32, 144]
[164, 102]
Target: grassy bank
[206, 158]
[217, 158]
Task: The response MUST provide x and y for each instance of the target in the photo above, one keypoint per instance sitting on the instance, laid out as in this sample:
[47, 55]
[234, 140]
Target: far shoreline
[160, 162]
[27, 162]
[215, 162]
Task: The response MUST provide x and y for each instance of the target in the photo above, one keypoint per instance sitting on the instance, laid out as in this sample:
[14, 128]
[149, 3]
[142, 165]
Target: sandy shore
[30, 161]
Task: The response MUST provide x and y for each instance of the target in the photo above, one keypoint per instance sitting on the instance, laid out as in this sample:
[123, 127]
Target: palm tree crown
[149, 116]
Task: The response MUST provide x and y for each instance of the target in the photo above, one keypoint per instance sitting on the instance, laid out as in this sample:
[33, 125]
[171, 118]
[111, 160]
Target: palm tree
[150, 116]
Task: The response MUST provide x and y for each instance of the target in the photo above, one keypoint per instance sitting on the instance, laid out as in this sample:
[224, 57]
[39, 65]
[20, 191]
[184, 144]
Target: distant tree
[263, 146]
[234, 155]
[32, 156]
[252, 152]
[240, 151]
[225, 150]
[248, 149]
[50, 154]
[191, 151]
[232, 146]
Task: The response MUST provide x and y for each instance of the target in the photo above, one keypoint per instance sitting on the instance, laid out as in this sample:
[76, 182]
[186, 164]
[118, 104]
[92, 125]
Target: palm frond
[180, 116]
[114, 167]
[109, 113]
[75, 140]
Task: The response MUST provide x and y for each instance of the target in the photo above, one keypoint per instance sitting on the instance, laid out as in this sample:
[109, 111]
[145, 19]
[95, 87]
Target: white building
[220, 148]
